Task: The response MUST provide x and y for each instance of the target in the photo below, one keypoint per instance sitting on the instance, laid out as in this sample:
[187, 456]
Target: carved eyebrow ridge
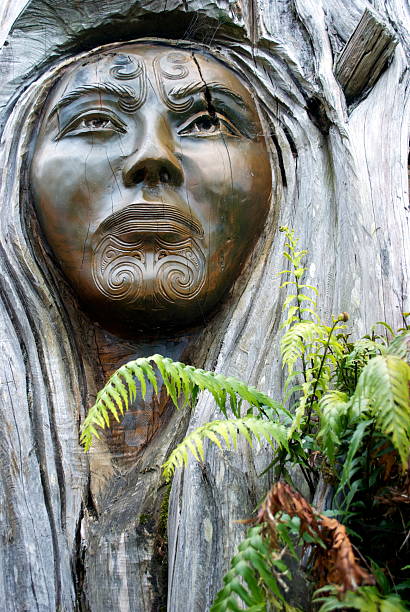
[122, 91]
[200, 87]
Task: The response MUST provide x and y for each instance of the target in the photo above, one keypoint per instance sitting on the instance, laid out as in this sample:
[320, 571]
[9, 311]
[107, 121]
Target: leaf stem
[322, 362]
[300, 320]
[368, 457]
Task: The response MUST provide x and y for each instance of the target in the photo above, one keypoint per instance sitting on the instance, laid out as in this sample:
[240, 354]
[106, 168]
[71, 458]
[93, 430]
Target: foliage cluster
[345, 416]
[284, 518]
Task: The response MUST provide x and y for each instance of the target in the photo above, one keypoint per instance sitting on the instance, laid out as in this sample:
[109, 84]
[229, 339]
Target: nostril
[139, 176]
[164, 175]
[152, 172]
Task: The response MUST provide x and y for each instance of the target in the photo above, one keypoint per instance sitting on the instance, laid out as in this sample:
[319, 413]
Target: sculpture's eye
[202, 125]
[95, 123]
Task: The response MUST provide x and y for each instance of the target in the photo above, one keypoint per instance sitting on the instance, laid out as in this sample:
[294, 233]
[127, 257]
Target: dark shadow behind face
[152, 182]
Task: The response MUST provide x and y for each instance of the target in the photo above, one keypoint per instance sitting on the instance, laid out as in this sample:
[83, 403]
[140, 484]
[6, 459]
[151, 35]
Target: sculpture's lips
[151, 218]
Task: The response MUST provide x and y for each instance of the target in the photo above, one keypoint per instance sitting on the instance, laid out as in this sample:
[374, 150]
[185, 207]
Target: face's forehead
[174, 67]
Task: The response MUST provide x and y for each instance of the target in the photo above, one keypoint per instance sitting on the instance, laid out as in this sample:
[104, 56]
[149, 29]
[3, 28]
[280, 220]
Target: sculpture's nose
[154, 162]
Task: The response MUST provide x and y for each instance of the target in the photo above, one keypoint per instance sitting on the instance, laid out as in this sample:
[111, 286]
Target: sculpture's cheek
[70, 178]
[229, 186]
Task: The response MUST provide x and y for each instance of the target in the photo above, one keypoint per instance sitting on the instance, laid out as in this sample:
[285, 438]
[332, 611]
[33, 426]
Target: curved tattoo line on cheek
[177, 61]
[148, 272]
[149, 268]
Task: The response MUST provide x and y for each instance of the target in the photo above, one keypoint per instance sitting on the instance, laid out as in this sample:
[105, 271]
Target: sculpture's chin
[150, 282]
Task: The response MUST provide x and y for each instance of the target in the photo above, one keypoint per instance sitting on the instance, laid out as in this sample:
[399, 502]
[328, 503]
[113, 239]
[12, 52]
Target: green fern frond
[352, 464]
[224, 431]
[364, 599]
[294, 341]
[363, 350]
[299, 412]
[385, 325]
[332, 408]
[249, 577]
[180, 380]
[400, 346]
[384, 386]
[349, 366]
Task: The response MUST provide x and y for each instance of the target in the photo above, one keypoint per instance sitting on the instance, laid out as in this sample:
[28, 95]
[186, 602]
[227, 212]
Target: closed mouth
[151, 218]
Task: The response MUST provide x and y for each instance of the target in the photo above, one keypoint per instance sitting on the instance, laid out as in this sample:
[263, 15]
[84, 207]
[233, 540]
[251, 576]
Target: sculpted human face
[151, 181]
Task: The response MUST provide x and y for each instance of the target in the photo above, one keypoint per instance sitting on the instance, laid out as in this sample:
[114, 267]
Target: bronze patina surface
[151, 181]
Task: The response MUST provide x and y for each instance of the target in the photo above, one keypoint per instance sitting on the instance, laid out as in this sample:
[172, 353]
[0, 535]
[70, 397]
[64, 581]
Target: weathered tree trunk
[88, 533]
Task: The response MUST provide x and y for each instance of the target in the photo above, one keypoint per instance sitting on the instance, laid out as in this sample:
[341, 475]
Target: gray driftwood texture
[79, 532]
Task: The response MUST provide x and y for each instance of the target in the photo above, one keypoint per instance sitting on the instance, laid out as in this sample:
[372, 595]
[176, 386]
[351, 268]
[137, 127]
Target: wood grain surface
[88, 533]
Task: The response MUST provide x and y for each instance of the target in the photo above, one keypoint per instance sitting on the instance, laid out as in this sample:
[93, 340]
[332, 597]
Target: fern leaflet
[249, 576]
[224, 431]
[400, 346]
[364, 599]
[332, 408]
[384, 387]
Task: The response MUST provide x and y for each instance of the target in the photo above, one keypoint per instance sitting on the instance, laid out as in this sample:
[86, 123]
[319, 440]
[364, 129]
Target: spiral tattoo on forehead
[126, 68]
[178, 71]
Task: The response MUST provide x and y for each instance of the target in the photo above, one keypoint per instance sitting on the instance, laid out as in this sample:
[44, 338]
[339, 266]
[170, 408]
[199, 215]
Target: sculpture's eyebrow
[122, 91]
[201, 87]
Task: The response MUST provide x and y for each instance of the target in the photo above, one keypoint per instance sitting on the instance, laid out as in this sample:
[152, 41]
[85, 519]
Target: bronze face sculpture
[151, 181]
